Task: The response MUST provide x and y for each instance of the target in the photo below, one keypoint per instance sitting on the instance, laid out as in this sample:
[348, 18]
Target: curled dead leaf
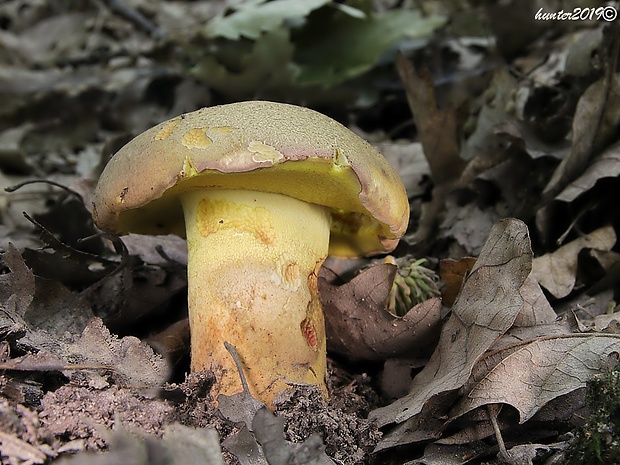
[536, 372]
[557, 271]
[452, 274]
[486, 308]
[359, 326]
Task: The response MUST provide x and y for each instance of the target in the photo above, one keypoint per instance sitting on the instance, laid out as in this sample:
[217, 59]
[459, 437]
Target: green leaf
[251, 19]
[266, 66]
[340, 47]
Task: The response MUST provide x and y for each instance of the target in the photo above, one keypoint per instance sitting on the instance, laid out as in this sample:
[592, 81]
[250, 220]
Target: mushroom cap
[262, 146]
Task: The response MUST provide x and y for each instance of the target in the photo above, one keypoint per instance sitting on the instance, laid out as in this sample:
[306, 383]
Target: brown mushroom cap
[262, 146]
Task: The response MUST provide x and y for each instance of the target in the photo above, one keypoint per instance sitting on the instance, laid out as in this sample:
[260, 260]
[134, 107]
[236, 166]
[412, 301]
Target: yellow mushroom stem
[253, 264]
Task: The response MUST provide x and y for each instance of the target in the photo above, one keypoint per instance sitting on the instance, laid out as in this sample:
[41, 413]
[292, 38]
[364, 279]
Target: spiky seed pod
[414, 283]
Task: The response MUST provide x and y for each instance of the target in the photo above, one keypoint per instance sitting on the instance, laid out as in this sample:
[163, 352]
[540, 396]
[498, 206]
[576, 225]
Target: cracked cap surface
[255, 145]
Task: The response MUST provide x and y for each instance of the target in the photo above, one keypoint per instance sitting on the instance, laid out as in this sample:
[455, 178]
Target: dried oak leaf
[486, 308]
[14, 448]
[38, 313]
[595, 122]
[129, 358]
[16, 294]
[269, 430]
[358, 324]
[557, 271]
[263, 443]
[180, 445]
[536, 372]
[606, 165]
[131, 361]
[452, 274]
[440, 454]
[437, 126]
[536, 308]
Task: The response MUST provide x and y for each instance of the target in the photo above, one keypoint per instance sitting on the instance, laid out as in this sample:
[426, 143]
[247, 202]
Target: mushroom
[263, 192]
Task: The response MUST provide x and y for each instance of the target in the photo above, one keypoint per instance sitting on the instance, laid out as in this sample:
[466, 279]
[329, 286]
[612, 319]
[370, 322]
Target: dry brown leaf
[12, 446]
[468, 224]
[518, 334]
[486, 308]
[452, 274]
[556, 271]
[608, 322]
[130, 358]
[437, 127]
[539, 371]
[605, 166]
[359, 326]
[18, 283]
[180, 445]
[36, 311]
[528, 454]
[439, 454]
[536, 308]
[422, 428]
[482, 145]
[596, 120]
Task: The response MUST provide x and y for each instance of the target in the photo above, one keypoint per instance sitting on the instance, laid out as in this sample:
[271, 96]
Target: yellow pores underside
[253, 266]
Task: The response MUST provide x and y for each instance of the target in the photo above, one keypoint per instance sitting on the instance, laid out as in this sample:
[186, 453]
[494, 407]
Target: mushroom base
[253, 264]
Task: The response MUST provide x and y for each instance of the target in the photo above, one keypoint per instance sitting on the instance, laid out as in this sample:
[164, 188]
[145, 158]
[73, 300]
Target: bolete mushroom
[263, 192]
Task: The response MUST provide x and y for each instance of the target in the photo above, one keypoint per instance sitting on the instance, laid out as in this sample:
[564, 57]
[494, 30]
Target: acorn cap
[260, 146]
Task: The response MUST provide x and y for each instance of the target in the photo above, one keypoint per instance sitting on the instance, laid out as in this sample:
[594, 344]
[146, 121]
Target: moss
[598, 440]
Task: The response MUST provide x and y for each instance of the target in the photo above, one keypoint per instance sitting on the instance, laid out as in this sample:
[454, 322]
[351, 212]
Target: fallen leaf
[358, 324]
[452, 274]
[12, 446]
[468, 224]
[525, 454]
[536, 308]
[190, 446]
[173, 248]
[19, 282]
[498, 98]
[557, 271]
[241, 406]
[523, 134]
[132, 360]
[438, 454]
[607, 322]
[595, 121]
[437, 127]
[486, 308]
[16, 295]
[251, 19]
[409, 161]
[180, 445]
[539, 371]
[262, 441]
[606, 165]
[323, 46]
[515, 179]
[243, 445]
[269, 430]
[422, 428]
[517, 334]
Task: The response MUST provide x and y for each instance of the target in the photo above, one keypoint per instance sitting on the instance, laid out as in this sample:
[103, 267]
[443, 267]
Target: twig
[134, 16]
[45, 181]
[235, 356]
[493, 410]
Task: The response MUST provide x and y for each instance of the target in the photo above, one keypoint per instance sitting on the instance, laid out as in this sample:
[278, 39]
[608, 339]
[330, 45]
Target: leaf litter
[500, 365]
